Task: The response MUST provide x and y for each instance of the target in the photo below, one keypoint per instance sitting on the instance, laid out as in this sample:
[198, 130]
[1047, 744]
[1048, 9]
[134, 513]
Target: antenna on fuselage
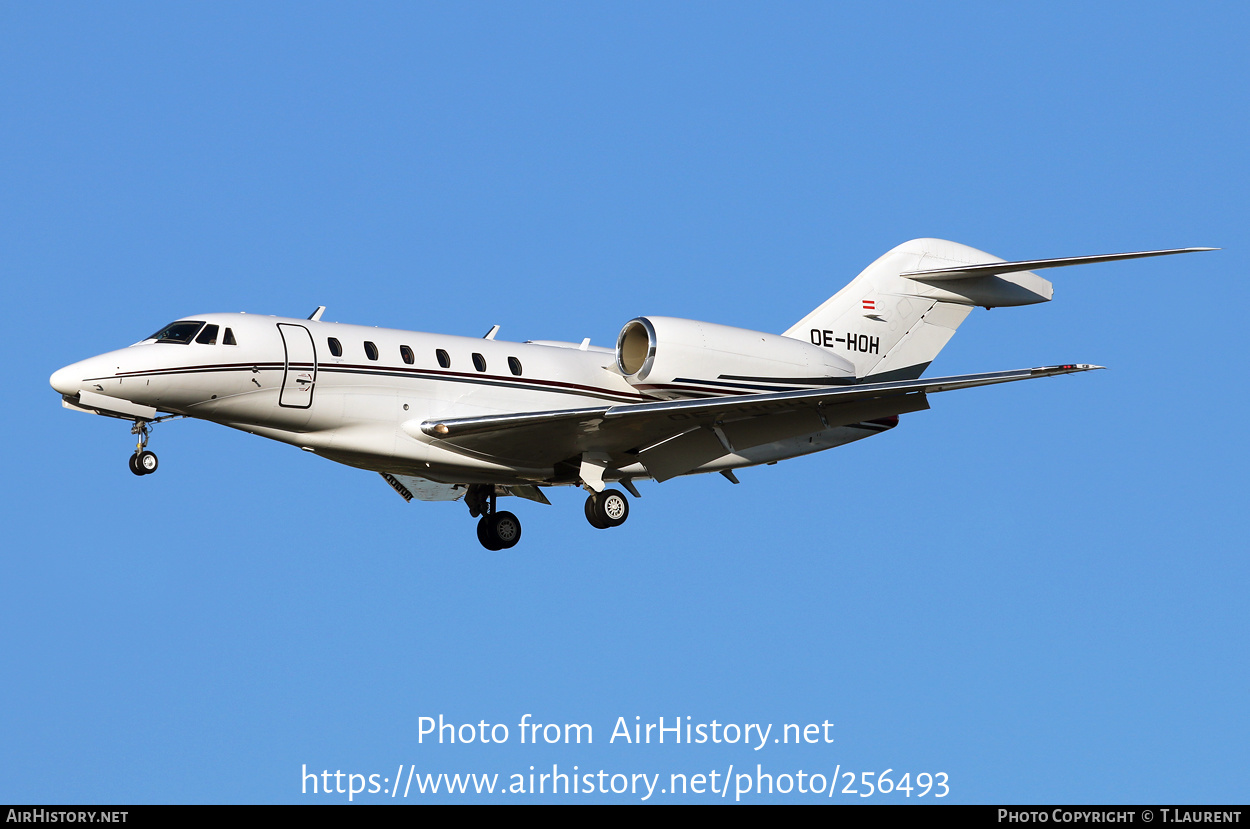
[315, 316]
[490, 335]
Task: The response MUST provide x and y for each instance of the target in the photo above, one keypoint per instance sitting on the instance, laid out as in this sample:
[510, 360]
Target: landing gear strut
[606, 509]
[142, 462]
[496, 530]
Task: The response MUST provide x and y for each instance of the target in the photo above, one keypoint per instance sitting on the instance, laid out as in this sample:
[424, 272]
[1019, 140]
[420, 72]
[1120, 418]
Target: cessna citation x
[443, 417]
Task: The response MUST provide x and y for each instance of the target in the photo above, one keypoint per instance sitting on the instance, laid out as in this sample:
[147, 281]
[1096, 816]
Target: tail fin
[893, 319]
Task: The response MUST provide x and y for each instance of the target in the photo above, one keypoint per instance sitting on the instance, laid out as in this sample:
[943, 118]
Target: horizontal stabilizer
[996, 268]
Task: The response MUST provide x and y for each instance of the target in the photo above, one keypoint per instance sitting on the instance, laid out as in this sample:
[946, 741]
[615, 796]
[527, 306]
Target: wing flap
[682, 453]
[757, 431]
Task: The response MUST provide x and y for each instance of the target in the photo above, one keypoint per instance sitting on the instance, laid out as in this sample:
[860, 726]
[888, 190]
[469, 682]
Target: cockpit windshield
[178, 332]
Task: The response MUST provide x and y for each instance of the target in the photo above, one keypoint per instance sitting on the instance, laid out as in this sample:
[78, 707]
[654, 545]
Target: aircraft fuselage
[363, 406]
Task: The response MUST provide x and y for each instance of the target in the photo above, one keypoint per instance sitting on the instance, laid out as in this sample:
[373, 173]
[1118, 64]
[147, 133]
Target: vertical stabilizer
[892, 326]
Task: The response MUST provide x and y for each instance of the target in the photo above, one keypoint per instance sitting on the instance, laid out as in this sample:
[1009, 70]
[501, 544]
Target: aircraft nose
[66, 380]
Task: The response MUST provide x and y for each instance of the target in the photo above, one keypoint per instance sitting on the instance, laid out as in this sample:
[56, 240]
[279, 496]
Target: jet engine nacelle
[667, 357]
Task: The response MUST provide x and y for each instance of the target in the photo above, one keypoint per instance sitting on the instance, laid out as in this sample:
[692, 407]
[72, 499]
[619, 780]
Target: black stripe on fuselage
[719, 389]
[496, 381]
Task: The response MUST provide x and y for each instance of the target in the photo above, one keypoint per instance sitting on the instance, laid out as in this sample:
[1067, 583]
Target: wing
[672, 437]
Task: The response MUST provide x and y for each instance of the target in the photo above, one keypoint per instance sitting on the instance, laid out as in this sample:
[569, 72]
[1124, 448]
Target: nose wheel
[142, 462]
[606, 509]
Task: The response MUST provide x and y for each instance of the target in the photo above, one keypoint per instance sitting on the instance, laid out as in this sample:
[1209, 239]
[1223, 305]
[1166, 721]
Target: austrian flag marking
[870, 305]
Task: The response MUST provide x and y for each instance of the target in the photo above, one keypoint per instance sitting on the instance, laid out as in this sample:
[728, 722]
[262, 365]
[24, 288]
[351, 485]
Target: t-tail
[893, 319]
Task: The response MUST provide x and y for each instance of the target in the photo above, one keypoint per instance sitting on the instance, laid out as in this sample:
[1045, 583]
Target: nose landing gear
[142, 462]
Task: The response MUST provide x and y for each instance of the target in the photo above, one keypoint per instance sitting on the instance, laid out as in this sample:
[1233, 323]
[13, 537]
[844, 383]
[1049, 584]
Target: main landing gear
[606, 509]
[142, 462]
[496, 530]
[502, 530]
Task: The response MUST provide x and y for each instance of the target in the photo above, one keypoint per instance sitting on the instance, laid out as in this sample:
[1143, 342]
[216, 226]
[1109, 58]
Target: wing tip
[1066, 368]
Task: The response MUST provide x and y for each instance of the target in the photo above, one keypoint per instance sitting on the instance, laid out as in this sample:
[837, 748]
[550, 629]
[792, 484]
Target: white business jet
[443, 417]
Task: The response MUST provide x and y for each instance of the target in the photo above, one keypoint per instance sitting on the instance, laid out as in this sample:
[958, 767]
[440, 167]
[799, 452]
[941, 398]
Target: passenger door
[301, 367]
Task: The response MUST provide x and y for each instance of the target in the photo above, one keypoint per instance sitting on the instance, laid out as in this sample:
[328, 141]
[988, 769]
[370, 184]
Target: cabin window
[371, 350]
[336, 348]
[228, 338]
[208, 336]
[514, 366]
[178, 332]
[406, 353]
[443, 359]
[479, 362]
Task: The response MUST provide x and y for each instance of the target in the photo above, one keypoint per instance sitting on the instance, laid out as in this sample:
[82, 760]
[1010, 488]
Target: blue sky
[1037, 589]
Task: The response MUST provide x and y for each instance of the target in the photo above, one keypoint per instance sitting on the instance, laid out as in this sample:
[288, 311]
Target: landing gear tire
[499, 530]
[592, 514]
[607, 509]
[484, 534]
[143, 462]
